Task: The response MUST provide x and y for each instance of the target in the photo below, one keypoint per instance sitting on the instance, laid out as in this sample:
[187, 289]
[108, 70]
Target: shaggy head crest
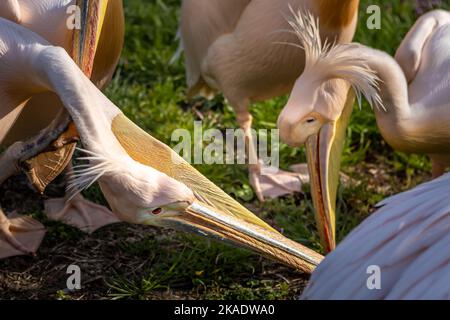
[325, 60]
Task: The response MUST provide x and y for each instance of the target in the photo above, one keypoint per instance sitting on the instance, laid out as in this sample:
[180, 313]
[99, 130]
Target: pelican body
[143, 180]
[424, 55]
[236, 52]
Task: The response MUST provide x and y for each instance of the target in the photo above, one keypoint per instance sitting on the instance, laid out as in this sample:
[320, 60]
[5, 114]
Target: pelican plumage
[92, 33]
[143, 180]
[406, 242]
[409, 97]
[238, 47]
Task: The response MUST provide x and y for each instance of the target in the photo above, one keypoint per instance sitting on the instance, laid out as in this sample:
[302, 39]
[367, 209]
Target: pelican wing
[407, 239]
[410, 52]
[202, 22]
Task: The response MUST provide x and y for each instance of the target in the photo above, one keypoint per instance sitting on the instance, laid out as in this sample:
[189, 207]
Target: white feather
[84, 176]
[408, 238]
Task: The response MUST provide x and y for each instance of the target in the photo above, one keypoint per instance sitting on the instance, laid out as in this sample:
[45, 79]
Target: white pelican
[400, 252]
[411, 116]
[231, 46]
[95, 47]
[143, 180]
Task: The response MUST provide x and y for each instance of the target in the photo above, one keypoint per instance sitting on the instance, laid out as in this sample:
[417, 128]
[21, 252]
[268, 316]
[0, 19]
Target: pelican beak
[213, 213]
[324, 152]
[204, 220]
[86, 39]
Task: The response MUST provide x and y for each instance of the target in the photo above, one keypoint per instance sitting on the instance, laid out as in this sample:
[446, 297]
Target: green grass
[151, 92]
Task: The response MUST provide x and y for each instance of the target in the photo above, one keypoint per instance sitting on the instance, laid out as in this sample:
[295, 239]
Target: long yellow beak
[206, 220]
[324, 152]
[214, 213]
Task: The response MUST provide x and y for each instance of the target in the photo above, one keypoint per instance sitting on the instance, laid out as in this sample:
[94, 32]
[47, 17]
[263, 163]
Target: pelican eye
[157, 211]
[310, 120]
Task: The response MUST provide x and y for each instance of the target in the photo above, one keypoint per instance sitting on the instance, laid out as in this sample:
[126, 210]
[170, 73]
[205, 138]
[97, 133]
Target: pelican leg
[20, 235]
[78, 211]
[266, 181]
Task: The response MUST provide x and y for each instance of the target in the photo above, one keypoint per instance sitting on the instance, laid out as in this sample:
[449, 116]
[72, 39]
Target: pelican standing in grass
[231, 46]
[143, 180]
[407, 238]
[411, 108]
[240, 47]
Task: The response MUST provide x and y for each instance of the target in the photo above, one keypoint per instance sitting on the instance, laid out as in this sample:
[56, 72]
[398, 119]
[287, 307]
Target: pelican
[409, 97]
[143, 180]
[405, 244]
[231, 46]
[94, 42]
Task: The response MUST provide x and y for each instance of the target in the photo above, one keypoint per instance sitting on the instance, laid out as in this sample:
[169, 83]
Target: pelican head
[159, 188]
[318, 111]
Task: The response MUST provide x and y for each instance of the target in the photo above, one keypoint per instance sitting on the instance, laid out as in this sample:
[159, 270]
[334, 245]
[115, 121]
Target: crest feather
[325, 60]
